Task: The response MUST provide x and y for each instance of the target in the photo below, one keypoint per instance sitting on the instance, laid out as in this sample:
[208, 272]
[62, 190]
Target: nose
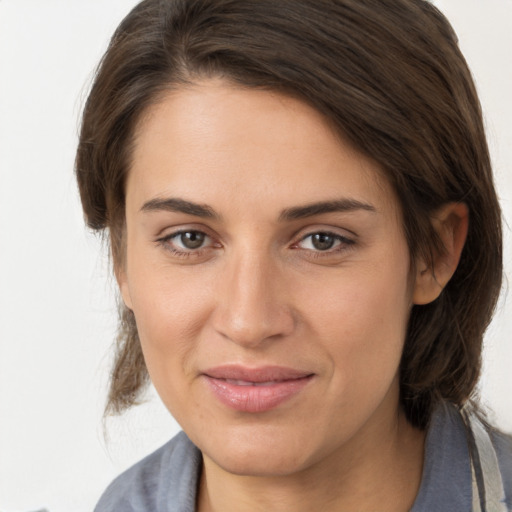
[252, 303]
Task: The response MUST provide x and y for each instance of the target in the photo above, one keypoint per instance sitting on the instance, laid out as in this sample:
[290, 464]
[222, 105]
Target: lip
[255, 390]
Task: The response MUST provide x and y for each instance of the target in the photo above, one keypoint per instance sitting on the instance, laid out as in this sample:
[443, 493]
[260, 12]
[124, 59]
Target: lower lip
[256, 398]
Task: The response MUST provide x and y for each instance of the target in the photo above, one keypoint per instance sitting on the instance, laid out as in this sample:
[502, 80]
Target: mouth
[255, 390]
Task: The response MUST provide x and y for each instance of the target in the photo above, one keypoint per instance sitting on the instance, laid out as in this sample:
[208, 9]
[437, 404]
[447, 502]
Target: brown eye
[191, 239]
[188, 243]
[322, 241]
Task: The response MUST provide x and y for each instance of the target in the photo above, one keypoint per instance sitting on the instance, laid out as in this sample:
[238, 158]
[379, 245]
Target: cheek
[168, 327]
[362, 320]
[170, 310]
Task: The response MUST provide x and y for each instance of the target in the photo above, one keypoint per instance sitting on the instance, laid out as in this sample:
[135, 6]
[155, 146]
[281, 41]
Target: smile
[249, 383]
[255, 390]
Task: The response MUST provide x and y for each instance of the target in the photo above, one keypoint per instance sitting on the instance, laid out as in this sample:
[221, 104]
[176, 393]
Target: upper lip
[257, 374]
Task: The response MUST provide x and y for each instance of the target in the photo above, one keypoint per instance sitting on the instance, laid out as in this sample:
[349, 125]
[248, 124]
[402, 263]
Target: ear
[122, 282]
[451, 225]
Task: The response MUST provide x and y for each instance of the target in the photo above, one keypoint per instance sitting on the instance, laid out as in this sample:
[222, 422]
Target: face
[269, 277]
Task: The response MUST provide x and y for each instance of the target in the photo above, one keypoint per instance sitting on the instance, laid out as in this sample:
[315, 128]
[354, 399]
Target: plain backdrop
[57, 299]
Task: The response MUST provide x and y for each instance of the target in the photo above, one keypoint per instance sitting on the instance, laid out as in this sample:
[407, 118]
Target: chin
[260, 464]
[262, 452]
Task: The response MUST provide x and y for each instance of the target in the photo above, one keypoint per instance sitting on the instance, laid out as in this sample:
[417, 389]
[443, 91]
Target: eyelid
[176, 235]
[166, 241]
[336, 241]
[338, 232]
[183, 227]
[344, 241]
[339, 238]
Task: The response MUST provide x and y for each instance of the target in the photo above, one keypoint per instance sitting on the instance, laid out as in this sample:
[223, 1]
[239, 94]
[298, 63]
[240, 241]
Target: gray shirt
[166, 480]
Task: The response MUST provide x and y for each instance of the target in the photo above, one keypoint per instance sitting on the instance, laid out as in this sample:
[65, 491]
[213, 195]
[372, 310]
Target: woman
[307, 241]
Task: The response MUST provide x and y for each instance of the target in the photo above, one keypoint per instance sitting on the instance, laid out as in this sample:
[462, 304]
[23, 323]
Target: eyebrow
[173, 204]
[339, 205]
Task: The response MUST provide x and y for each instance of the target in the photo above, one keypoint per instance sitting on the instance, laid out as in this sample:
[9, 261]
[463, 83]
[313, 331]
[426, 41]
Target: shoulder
[503, 446]
[491, 456]
[465, 460]
[166, 478]
[446, 480]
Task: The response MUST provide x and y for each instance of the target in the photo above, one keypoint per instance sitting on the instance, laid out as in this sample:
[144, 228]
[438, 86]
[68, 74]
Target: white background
[57, 306]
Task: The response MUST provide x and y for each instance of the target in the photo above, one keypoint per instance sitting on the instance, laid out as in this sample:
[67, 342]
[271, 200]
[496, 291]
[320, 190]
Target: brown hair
[389, 74]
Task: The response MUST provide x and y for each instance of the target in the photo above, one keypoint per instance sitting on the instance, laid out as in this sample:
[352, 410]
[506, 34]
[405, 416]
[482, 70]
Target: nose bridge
[252, 304]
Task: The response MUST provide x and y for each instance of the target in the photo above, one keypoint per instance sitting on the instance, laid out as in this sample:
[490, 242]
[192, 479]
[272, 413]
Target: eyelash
[342, 244]
[166, 243]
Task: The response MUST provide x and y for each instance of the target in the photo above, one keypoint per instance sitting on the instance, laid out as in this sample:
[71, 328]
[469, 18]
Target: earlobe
[122, 282]
[451, 225]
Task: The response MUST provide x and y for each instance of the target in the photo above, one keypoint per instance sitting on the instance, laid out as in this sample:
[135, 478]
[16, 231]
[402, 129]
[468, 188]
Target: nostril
[251, 328]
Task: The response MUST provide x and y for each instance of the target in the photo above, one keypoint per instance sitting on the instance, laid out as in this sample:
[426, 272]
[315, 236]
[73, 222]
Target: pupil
[322, 241]
[192, 239]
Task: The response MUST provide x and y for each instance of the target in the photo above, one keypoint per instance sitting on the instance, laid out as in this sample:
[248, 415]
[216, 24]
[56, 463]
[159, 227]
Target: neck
[380, 469]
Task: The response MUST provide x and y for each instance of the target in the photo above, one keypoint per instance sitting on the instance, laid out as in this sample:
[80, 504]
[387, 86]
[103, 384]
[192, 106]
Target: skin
[257, 291]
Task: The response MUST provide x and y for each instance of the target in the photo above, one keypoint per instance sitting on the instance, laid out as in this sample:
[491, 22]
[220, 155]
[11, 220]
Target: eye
[324, 241]
[186, 242]
[189, 239]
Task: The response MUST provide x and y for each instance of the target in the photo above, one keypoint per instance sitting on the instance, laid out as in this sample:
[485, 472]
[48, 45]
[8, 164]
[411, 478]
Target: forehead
[214, 137]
